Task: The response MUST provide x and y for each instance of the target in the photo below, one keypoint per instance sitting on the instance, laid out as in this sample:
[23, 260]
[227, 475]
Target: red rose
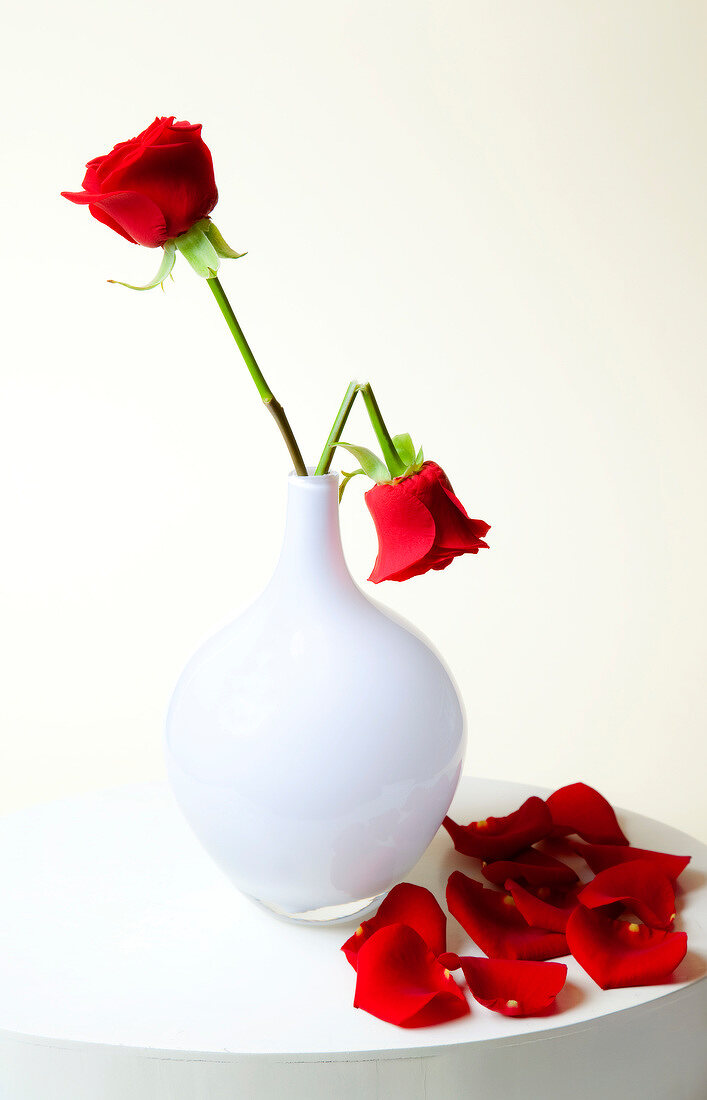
[153, 187]
[421, 525]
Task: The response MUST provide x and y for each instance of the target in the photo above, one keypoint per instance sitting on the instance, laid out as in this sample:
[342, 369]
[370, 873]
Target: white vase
[315, 744]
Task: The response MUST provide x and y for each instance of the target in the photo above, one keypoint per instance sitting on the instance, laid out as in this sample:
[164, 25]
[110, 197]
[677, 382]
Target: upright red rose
[421, 525]
[153, 187]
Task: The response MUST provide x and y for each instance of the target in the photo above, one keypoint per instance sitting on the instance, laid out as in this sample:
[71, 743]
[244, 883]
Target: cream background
[496, 212]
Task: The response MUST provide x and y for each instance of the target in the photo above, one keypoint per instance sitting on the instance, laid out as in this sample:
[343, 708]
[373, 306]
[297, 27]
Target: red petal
[405, 529]
[400, 980]
[617, 953]
[550, 909]
[514, 987]
[177, 177]
[531, 866]
[501, 837]
[601, 856]
[405, 904]
[639, 885]
[420, 525]
[580, 809]
[137, 217]
[494, 923]
[454, 529]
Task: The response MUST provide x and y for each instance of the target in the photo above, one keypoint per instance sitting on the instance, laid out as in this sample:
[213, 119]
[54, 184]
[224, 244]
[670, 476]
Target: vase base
[327, 914]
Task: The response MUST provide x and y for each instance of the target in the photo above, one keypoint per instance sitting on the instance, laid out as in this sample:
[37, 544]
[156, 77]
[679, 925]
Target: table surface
[117, 929]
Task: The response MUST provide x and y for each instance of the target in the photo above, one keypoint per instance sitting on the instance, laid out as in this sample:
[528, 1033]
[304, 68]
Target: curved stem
[390, 454]
[269, 400]
[337, 428]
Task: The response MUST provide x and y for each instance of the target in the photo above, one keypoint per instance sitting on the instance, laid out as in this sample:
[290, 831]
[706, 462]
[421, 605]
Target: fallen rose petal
[502, 837]
[514, 987]
[639, 885]
[616, 953]
[405, 904]
[400, 980]
[601, 856]
[580, 809]
[545, 908]
[496, 926]
[531, 866]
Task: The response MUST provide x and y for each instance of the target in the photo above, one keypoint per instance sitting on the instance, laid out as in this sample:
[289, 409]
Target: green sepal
[404, 447]
[222, 249]
[196, 247]
[345, 479]
[406, 450]
[416, 465]
[165, 269]
[371, 464]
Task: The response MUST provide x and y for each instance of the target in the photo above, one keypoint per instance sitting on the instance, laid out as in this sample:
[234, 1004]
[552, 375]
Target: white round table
[130, 969]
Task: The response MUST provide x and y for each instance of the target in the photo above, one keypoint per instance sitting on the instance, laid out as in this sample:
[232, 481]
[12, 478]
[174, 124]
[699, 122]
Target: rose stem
[391, 456]
[337, 428]
[256, 374]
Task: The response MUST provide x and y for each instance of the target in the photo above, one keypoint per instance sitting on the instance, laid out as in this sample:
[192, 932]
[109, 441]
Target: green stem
[256, 374]
[391, 456]
[337, 428]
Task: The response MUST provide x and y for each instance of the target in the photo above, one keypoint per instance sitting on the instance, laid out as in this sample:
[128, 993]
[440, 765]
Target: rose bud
[157, 190]
[421, 525]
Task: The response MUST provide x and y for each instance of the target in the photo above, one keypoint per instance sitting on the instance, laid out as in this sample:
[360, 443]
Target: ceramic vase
[315, 744]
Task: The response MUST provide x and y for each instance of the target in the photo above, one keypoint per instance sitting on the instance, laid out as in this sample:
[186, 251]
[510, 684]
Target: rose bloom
[421, 525]
[153, 187]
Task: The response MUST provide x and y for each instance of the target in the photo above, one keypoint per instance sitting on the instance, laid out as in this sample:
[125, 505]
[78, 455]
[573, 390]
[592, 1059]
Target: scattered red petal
[405, 904]
[580, 809]
[400, 980]
[531, 866]
[514, 987]
[601, 856]
[548, 909]
[616, 953]
[494, 923]
[639, 885]
[502, 837]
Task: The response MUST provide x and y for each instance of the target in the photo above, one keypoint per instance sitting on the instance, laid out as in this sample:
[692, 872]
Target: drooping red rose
[421, 525]
[153, 187]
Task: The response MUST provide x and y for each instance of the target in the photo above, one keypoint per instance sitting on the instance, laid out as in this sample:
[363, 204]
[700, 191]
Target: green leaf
[196, 247]
[165, 270]
[222, 249]
[419, 459]
[404, 447]
[346, 478]
[372, 465]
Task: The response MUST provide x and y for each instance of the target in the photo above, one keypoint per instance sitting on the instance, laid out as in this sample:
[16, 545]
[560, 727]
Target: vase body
[315, 744]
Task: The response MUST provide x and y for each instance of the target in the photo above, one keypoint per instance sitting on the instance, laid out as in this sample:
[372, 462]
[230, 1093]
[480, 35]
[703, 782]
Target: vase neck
[311, 549]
